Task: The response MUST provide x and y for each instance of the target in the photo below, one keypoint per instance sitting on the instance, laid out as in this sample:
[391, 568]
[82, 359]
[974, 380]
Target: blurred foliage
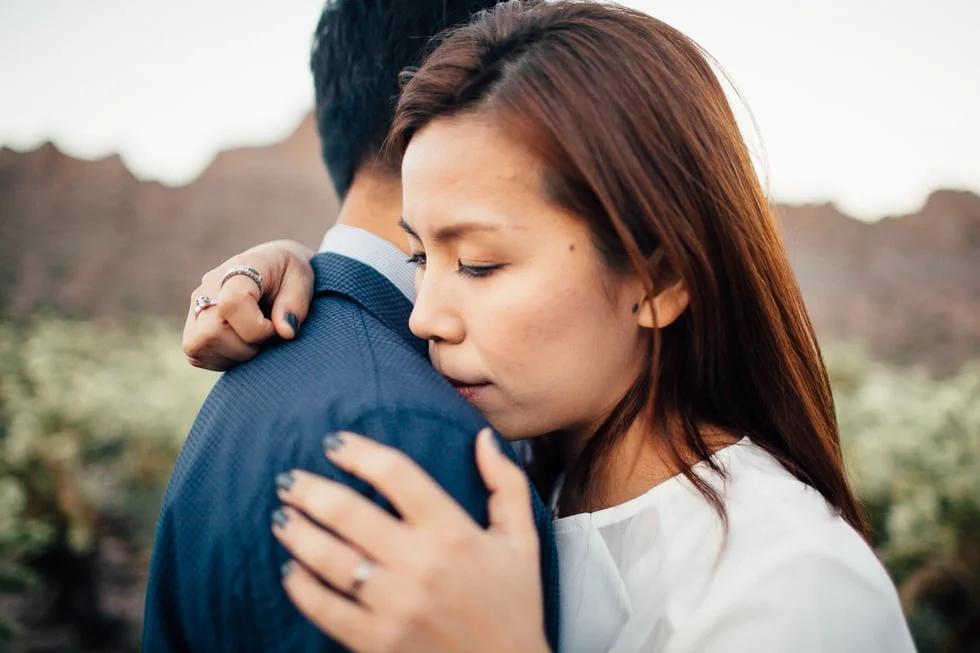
[92, 418]
[912, 448]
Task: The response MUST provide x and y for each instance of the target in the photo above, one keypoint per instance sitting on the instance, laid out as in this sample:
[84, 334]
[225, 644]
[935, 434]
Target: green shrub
[91, 420]
[912, 448]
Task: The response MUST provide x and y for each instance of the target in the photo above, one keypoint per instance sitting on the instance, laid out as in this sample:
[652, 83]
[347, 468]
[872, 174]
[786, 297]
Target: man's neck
[374, 204]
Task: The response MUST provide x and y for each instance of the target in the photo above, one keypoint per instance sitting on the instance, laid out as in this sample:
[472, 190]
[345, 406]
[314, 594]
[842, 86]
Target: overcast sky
[869, 103]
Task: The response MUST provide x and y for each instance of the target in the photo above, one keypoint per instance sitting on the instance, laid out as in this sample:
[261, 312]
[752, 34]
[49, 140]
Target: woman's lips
[469, 391]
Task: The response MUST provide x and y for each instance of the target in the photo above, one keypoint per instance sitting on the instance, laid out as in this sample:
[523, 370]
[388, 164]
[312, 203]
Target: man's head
[359, 48]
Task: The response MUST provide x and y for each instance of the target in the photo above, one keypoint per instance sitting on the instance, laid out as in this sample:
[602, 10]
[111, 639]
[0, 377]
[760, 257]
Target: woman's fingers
[348, 514]
[292, 303]
[322, 553]
[412, 492]
[238, 306]
[211, 344]
[220, 337]
[328, 557]
[510, 498]
[210, 339]
[419, 572]
[346, 621]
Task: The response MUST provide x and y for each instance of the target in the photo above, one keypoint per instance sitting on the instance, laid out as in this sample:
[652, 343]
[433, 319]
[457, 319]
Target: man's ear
[664, 308]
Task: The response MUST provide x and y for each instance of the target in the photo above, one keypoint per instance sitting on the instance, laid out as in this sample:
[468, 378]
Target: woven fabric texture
[214, 576]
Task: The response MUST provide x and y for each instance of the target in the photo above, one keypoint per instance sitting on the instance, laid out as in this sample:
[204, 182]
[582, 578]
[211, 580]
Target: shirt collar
[374, 252]
[341, 275]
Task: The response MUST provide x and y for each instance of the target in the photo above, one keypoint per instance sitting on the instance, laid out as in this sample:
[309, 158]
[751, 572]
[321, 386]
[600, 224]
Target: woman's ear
[664, 308]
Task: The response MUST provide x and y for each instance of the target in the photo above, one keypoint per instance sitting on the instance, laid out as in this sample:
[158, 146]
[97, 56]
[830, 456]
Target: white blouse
[654, 574]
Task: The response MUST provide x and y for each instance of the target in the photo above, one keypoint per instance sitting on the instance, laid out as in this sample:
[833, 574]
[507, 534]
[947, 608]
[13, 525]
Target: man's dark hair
[359, 48]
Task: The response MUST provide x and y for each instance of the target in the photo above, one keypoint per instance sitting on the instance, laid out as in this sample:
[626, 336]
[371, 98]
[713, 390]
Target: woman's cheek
[511, 326]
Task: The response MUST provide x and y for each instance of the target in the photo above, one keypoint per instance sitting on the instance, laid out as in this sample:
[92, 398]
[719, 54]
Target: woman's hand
[222, 336]
[432, 581]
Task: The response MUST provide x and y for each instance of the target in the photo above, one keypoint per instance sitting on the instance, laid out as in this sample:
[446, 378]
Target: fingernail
[279, 518]
[285, 481]
[333, 442]
[286, 569]
[293, 322]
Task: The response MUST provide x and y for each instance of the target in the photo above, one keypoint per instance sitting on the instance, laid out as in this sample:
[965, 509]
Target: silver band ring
[245, 271]
[362, 573]
[202, 302]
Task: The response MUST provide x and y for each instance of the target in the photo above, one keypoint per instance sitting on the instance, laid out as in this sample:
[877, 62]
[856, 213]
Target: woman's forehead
[469, 153]
[466, 174]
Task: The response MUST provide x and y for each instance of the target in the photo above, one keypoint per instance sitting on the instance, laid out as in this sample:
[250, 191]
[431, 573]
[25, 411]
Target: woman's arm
[233, 331]
[805, 599]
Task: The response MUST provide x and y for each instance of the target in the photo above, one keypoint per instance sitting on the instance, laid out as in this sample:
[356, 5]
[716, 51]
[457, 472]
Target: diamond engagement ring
[245, 271]
[202, 302]
[362, 573]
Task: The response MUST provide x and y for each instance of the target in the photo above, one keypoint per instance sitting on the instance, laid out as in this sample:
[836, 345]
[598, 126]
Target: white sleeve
[804, 602]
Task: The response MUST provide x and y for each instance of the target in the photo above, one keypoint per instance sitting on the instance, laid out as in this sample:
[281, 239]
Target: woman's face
[521, 313]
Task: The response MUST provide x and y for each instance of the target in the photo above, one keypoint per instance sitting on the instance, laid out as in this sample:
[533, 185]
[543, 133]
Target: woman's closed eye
[478, 271]
[418, 259]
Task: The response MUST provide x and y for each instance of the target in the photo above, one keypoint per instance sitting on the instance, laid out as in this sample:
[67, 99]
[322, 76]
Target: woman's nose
[435, 317]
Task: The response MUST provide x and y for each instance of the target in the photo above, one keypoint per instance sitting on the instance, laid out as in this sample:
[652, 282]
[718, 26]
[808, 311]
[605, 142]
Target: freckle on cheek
[571, 248]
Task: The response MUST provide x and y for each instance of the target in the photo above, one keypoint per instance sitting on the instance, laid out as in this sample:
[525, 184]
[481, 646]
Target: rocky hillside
[909, 286]
[86, 239]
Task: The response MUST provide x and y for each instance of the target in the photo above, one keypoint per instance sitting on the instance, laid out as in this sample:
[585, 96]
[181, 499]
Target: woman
[599, 273]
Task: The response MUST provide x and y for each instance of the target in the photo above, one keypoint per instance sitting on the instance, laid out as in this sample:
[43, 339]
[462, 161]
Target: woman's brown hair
[639, 140]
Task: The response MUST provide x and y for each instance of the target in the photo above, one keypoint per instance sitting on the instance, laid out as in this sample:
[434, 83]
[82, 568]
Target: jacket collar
[337, 274]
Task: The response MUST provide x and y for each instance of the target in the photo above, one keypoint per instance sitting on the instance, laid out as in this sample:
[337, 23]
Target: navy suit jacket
[214, 576]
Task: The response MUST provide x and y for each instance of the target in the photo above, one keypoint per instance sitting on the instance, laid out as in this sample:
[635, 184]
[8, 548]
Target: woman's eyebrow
[450, 232]
[407, 229]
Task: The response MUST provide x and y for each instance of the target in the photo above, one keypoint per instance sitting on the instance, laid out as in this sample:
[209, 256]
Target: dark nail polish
[333, 442]
[286, 569]
[279, 518]
[293, 322]
[285, 481]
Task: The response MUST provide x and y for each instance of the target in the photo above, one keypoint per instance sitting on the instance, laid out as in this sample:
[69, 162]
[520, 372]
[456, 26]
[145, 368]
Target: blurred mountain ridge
[87, 239]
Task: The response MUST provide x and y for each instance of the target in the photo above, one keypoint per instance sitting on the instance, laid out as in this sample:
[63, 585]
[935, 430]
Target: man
[215, 573]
